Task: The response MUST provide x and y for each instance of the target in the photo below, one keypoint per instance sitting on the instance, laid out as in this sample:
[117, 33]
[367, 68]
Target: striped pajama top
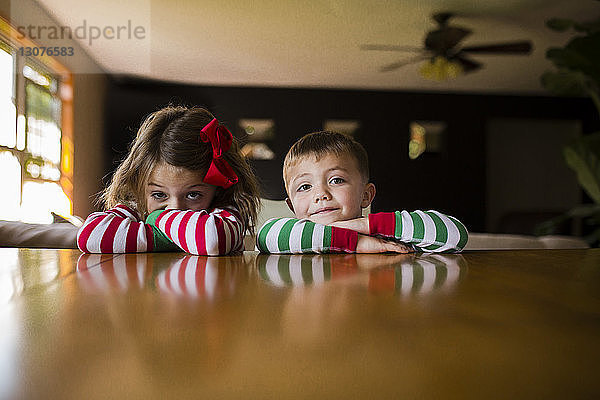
[120, 230]
[426, 231]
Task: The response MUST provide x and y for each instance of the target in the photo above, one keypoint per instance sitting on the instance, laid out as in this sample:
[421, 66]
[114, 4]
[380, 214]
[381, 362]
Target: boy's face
[328, 189]
[177, 188]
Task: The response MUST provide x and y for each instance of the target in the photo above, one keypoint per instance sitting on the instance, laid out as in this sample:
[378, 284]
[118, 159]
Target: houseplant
[577, 73]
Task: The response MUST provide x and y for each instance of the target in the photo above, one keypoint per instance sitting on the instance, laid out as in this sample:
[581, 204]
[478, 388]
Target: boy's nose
[322, 195]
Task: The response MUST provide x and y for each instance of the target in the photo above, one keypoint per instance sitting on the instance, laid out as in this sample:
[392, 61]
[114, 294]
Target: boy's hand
[360, 225]
[371, 244]
[372, 261]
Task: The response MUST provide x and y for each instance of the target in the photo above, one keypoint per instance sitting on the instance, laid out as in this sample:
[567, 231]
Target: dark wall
[452, 181]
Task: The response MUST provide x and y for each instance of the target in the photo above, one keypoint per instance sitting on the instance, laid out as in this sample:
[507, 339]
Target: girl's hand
[360, 225]
[371, 244]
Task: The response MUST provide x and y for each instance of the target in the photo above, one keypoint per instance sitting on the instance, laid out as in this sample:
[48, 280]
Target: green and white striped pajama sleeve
[428, 231]
[293, 236]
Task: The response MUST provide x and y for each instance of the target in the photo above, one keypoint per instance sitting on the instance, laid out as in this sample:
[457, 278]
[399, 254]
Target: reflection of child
[403, 274]
[183, 186]
[327, 182]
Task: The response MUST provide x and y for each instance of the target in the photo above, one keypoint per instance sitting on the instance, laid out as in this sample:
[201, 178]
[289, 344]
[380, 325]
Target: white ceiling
[315, 43]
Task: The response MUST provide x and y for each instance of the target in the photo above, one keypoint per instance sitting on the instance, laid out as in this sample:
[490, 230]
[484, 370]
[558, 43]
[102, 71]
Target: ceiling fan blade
[468, 64]
[521, 47]
[388, 47]
[442, 40]
[399, 64]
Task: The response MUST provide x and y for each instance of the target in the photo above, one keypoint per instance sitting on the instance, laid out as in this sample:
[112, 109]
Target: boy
[327, 181]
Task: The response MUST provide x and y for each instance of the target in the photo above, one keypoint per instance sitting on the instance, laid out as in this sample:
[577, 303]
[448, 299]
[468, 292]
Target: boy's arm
[293, 236]
[429, 231]
[118, 230]
[218, 232]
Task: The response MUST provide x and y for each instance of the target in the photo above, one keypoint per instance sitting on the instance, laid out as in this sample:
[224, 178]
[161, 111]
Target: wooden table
[503, 324]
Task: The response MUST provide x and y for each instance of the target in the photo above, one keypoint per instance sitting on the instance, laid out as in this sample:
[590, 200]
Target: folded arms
[120, 230]
[399, 231]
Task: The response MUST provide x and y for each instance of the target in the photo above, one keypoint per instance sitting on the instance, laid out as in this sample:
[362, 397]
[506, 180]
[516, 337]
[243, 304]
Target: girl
[183, 186]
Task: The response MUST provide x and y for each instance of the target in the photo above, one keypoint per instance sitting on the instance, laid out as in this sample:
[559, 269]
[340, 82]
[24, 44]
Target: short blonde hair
[322, 143]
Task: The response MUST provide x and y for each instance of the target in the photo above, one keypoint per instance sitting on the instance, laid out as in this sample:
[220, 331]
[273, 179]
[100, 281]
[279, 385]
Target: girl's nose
[175, 204]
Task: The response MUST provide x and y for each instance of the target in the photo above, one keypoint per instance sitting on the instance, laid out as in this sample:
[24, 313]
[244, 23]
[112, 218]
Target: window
[257, 134]
[346, 126]
[36, 148]
[426, 137]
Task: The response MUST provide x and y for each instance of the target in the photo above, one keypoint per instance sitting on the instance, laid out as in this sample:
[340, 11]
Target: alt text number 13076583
[46, 51]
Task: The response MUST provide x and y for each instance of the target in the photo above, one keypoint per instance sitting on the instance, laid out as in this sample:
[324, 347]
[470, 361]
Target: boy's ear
[289, 204]
[368, 195]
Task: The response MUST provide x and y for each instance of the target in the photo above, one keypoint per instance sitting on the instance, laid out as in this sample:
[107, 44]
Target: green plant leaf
[588, 212]
[585, 210]
[582, 53]
[564, 83]
[549, 227]
[593, 238]
[567, 58]
[583, 156]
[560, 24]
[589, 27]
[564, 24]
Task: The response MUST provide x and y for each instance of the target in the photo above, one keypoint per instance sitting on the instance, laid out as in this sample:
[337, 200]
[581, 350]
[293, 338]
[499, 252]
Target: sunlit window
[11, 186]
[31, 152]
[40, 198]
[43, 132]
[8, 112]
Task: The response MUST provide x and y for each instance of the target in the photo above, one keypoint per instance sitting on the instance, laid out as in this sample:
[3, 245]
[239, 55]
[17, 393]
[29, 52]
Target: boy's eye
[158, 196]
[336, 180]
[304, 187]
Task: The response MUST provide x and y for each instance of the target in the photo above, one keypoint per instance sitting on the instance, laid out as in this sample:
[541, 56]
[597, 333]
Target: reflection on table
[201, 277]
[23, 270]
[401, 274]
[186, 275]
[504, 324]
[106, 273]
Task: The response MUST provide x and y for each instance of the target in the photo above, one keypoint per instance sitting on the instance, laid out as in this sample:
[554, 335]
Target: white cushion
[490, 241]
[21, 234]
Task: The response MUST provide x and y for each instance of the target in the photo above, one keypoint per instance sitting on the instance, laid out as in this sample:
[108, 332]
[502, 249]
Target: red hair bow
[220, 172]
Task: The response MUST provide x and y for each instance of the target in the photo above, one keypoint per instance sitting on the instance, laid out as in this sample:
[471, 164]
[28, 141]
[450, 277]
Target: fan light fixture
[443, 50]
[440, 69]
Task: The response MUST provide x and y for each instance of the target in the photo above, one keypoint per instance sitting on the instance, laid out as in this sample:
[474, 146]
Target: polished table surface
[487, 324]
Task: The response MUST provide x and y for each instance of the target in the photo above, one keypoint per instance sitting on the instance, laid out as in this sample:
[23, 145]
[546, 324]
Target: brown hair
[171, 135]
[322, 143]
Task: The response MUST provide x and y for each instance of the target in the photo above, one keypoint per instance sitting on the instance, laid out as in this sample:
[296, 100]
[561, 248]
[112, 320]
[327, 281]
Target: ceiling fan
[442, 47]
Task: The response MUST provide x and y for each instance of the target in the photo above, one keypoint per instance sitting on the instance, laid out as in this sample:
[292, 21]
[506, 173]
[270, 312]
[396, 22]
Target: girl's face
[177, 188]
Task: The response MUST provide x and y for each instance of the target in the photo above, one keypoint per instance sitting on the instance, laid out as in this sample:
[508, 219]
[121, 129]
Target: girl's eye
[336, 181]
[304, 187]
[158, 196]
[194, 195]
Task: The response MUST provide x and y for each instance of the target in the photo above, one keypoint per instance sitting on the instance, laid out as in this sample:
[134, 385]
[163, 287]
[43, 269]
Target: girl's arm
[214, 233]
[428, 231]
[119, 230]
[293, 236]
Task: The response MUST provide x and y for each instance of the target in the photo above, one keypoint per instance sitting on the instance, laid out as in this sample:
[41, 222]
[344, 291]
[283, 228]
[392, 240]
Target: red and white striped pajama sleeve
[218, 232]
[118, 230]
